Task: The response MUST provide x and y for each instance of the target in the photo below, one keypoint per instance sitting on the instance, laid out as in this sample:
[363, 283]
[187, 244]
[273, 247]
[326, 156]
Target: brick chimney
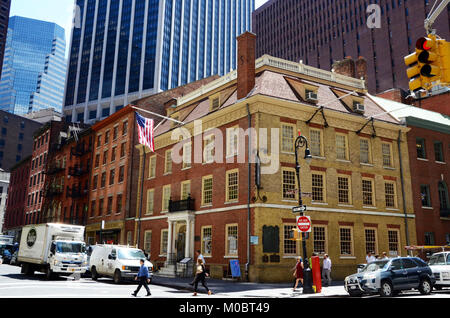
[246, 64]
[352, 68]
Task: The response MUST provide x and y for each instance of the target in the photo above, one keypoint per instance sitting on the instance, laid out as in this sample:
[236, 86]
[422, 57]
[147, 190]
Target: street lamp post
[301, 141]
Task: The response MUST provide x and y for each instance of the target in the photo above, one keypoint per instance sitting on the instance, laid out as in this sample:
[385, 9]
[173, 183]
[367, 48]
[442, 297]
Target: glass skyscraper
[34, 66]
[122, 50]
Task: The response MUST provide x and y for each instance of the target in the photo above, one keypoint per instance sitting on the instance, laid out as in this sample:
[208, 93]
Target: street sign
[298, 209]
[304, 223]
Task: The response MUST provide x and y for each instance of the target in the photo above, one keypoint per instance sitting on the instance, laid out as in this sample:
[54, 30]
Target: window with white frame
[164, 242]
[341, 147]
[206, 240]
[318, 187]
[166, 198]
[344, 193]
[208, 149]
[316, 142]
[364, 150]
[319, 239]
[232, 240]
[346, 244]
[150, 201]
[232, 185]
[371, 240]
[289, 245]
[152, 167]
[187, 155]
[367, 191]
[387, 154]
[287, 138]
[168, 162]
[389, 192]
[207, 190]
[232, 141]
[185, 189]
[393, 242]
[288, 176]
[147, 241]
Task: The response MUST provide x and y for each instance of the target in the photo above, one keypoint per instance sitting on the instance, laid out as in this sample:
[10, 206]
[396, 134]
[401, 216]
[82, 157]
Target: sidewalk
[240, 288]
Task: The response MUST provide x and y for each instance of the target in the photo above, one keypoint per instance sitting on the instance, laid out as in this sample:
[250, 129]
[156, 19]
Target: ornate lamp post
[300, 142]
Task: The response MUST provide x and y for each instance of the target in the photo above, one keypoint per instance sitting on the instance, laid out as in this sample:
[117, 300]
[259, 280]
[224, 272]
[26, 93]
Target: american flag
[145, 133]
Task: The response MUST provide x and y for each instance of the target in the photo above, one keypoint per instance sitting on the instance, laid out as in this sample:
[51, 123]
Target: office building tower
[5, 6]
[123, 50]
[321, 32]
[34, 67]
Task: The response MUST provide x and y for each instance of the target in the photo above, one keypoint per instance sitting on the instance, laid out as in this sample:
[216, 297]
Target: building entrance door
[181, 243]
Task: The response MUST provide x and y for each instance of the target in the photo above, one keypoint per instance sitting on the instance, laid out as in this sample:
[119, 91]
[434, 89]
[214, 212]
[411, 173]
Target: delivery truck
[53, 249]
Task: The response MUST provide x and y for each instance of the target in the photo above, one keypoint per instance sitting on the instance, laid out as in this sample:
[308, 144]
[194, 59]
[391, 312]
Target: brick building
[322, 31]
[429, 153]
[199, 189]
[17, 195]
[46, 140]
[114, 171]
[67, 183]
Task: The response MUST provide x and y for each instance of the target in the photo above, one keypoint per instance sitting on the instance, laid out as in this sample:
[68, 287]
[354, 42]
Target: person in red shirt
[298, 272]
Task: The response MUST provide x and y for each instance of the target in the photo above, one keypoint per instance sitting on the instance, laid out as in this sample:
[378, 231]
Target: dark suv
[390, 276]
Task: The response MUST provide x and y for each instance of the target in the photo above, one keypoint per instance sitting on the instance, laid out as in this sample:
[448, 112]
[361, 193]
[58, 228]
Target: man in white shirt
[199, 255]
[370, 258]
[326, 270]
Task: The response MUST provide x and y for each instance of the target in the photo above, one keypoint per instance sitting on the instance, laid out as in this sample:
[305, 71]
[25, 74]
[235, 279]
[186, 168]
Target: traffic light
[444, 53]
[430, 64]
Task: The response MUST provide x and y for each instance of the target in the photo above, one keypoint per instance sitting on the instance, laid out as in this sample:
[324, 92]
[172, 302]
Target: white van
[117, 261]
[440, 266]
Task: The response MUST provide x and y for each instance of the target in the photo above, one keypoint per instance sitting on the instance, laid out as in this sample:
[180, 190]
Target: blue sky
[57, 11]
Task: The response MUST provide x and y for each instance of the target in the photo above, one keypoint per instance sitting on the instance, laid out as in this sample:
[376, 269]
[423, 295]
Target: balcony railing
[445, 213]
[78, 171]
[53, 191]
[182, 205]
[76, 192]
[53, 169]
[80, 149]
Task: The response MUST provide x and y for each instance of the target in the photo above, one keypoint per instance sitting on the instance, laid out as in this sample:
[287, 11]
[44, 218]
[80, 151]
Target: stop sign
[304, 223]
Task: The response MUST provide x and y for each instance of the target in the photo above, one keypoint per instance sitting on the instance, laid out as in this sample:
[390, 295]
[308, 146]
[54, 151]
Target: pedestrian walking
[198, 254]
[326, 270]
[370, 258]
[200, 277]
[298, 272]
[144, 278]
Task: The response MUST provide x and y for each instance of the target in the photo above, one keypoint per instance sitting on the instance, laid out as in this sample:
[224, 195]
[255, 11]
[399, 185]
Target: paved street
[15, 285]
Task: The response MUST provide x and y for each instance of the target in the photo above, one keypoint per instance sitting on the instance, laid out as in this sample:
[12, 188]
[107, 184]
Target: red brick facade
[431, 218]
[17, 195]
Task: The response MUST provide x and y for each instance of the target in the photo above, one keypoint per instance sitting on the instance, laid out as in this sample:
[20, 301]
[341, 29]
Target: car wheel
[425, 287]
[27, 269]
[94, 274]
[117, 277]
[386, 289]
[48, 273]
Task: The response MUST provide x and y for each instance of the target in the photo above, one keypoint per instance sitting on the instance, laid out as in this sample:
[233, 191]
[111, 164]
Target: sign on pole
[297, 209]
[304, 223]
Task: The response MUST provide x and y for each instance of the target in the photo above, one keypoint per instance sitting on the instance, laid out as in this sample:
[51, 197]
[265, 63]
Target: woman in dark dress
[298, 273]
[200, 277]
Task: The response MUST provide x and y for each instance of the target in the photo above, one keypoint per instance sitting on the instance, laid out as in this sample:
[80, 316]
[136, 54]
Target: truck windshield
[131, 254]
[438, 259]
[69, 247]
[374, 266]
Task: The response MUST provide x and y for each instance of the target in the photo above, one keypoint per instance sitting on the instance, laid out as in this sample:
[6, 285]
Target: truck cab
[67, 256]
[440, 266]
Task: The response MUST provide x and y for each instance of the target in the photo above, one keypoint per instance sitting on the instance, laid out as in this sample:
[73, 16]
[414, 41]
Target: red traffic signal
[424, 43]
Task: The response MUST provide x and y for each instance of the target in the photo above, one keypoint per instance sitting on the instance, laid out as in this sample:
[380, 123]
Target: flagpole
[158, 115]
